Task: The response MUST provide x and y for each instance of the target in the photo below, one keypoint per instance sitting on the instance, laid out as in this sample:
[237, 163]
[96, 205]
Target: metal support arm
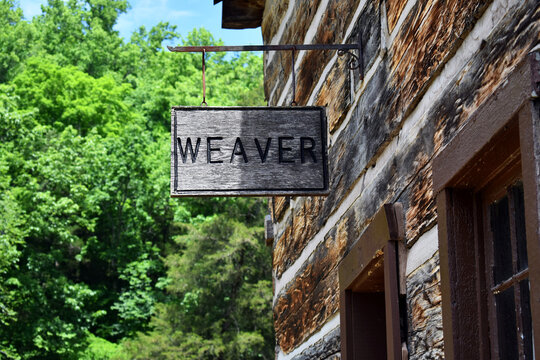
[354, 63]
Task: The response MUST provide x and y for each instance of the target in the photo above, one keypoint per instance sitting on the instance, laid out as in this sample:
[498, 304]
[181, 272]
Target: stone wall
[427, 66]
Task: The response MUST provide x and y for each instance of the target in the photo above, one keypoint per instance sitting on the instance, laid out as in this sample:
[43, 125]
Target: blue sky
[185, 14]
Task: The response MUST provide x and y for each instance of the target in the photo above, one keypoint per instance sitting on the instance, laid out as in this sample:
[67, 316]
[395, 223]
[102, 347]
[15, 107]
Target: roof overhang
[241, 14]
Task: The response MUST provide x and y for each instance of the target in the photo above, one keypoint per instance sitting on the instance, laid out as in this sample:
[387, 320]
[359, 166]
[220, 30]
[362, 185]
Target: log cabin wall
[427, 66]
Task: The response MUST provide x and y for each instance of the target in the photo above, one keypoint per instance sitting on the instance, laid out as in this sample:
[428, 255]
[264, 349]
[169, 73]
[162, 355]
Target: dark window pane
[506, 324]
[526, 318]
[502, 248]
[519, 213]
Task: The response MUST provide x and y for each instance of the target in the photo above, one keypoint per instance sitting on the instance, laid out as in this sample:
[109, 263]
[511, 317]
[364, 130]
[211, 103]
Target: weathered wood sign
[255, 151]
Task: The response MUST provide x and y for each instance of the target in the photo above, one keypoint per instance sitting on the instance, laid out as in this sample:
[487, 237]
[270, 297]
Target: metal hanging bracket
[355, 62]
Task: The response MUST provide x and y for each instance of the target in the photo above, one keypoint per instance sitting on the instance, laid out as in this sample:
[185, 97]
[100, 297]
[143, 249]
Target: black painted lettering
[262, 154]
[238, 150]
[304, 149]
[189, 148]
[282, 149]
[209, 150]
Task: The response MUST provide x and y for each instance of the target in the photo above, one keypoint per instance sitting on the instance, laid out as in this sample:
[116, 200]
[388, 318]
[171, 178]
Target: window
[372, 325]
[488, 214]
[508, 274]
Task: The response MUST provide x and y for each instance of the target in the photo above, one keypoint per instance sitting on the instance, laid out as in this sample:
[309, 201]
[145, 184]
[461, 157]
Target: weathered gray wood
[229, 152]
[268, 230]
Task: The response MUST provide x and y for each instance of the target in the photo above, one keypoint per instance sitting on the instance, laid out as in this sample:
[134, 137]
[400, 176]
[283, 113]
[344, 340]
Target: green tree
[80, 33]
[66, 96]
[15, 37]
[89, 236]
[219, 287]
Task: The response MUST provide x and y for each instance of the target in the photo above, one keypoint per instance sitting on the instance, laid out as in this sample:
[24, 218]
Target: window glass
[506, 324]
[519, 213]
[502, 248]
[526, 319]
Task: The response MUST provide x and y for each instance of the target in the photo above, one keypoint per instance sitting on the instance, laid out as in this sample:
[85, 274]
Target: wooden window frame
[460, 170]
[373, 266]
[511, 277]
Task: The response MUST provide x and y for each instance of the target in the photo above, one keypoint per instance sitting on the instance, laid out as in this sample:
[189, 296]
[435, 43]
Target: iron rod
[264, 47]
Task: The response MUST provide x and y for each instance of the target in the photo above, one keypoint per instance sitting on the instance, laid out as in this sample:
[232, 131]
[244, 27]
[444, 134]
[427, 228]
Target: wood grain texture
[248, 151]
[394, 8]
[297, 234]
[308, 301]
[242, 14]
[422, 47]
[279, 205]
[279, 68]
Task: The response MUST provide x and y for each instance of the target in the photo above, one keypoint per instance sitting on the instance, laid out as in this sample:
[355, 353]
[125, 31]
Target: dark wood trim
[529, 127]
[506, 126]
[523, 274]
[373, 266]
[457, 256]
[346, 322]
[515, 278]
[497, 189]
[241, 14]
[484, 348]
[387, 224]
[391, 297]
[483, 124]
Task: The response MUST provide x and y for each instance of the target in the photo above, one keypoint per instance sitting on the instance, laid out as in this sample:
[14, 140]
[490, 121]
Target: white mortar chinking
[423, 250]
[407, 134]
[310, 34]
[330, 325]
[279, 34]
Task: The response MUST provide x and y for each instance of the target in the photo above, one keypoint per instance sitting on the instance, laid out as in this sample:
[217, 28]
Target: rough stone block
[368, 30]
[280, 205]
[304, 226]
[314, 287]
[330, 30]
[279, 69]
[335, 94]
[421, 210]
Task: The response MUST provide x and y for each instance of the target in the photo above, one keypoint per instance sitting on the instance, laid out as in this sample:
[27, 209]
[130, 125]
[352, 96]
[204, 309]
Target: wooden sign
[254, 151]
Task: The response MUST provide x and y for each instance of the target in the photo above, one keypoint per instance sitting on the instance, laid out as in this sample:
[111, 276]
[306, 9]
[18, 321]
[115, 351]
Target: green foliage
[101, 349]
[175, 78]
[65, 96]
[15, 36]
[80, 33]
[218, 290]
[93, 251]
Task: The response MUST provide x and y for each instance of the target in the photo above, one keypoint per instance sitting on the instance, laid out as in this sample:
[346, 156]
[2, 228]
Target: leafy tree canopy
[96, 260]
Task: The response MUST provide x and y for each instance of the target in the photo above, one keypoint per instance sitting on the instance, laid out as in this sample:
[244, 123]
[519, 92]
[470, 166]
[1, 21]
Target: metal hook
[203, 79]
[354, 61]
[293, 102]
